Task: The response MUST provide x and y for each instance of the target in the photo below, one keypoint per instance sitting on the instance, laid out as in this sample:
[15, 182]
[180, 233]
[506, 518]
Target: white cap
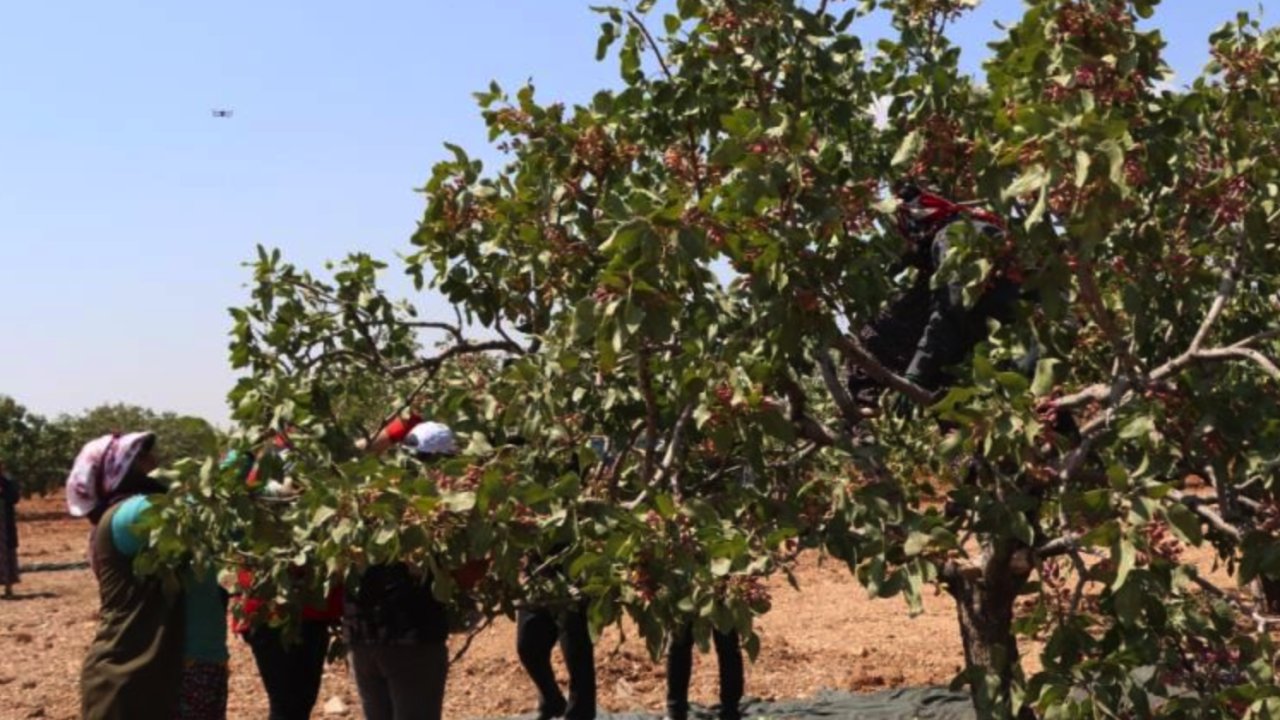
[431, 438]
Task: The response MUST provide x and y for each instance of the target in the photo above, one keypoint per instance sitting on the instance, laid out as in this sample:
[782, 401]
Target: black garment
[892, 338]
[10, 498]
[680, 672]
[290, 671]
[924, 331]
[952, 330]
[392, 607]
[537, 632]
[401, 682]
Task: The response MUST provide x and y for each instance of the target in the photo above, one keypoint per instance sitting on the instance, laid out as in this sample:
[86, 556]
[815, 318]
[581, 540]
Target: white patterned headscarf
[100, 468]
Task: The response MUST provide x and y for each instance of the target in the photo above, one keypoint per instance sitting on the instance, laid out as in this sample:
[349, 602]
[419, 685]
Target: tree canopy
[679, 268]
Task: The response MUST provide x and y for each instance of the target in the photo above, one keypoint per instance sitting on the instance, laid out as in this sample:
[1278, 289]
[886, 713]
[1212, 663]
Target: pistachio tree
[658, 298]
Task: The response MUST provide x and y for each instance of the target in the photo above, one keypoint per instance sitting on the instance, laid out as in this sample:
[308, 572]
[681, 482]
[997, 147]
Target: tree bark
[985, 599]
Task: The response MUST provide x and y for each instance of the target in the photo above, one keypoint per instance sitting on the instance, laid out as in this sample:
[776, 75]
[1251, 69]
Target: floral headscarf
[100, 468]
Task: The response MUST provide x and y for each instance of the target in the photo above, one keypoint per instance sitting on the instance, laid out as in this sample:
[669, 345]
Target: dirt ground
[829, 635]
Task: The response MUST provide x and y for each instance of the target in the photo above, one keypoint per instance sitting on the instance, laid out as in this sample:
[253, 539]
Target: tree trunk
[985, 600]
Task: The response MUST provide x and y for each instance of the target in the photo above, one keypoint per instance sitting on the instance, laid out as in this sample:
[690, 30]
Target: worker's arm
[392, 434]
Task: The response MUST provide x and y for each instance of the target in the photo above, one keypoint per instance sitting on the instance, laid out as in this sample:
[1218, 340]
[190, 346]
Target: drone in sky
[222, 113]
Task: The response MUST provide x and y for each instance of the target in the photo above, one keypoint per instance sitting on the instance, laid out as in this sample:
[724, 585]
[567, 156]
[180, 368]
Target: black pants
[537, 632]
[680, 672]
[401, 682]
[291, 672]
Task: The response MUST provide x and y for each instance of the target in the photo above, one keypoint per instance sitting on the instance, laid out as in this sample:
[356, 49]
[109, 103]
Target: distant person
[9, 496]
[160, 651]
[395, 629]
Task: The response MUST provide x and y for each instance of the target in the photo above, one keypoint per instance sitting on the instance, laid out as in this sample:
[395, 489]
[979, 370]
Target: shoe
[554, 711]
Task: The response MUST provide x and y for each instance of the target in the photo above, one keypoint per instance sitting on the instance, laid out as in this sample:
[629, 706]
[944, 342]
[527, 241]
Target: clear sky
[126, 208]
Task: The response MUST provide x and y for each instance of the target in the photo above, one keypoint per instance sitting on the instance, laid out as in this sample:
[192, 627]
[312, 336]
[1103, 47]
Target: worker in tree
[928, 328]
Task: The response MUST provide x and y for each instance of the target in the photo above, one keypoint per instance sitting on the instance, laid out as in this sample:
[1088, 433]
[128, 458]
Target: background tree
[180, 435]
[33, 450]
[39, 452]
[680, 266]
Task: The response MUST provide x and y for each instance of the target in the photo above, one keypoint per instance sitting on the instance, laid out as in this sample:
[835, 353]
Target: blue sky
[126, 209]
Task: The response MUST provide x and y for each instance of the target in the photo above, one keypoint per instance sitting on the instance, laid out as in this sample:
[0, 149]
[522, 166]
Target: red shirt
[251, 607]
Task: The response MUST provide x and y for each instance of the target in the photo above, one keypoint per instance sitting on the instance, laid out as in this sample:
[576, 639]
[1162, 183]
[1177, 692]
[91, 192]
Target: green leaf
[1124, 554]
[1184, 523]
[1032, 179]
[916, 543]
[608, 35]
[582, 563]
[1138, 427]
[384, 536]
[1115, 154]
[460, 501]
[1082, 167]
[688, 8]
[322, 514]
[1020, 528]
[1038, 212]
[1046, 376]
[908, 149]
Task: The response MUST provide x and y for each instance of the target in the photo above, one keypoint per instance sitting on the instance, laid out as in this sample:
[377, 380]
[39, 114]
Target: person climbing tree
[929, 328]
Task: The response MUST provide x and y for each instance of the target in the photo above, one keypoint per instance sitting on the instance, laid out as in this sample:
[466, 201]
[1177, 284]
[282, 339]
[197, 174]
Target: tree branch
[848, 408]
[854, 350]
[614, 469]
[1102, 316]
[464, 348]
[1241, 353]
[453, 330]
[502, 332]
[673, 449]
[1239, 350]
[806, 426]
[1058, 546]
[657, 53]
[1271, 334]
[1200, 506]
[650, 414]
[1082, 573]
[1226, 289]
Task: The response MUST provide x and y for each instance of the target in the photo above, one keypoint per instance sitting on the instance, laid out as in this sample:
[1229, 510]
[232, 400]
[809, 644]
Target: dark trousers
[680, 672]
[537, 632]
[401, 682]
[290, 671]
